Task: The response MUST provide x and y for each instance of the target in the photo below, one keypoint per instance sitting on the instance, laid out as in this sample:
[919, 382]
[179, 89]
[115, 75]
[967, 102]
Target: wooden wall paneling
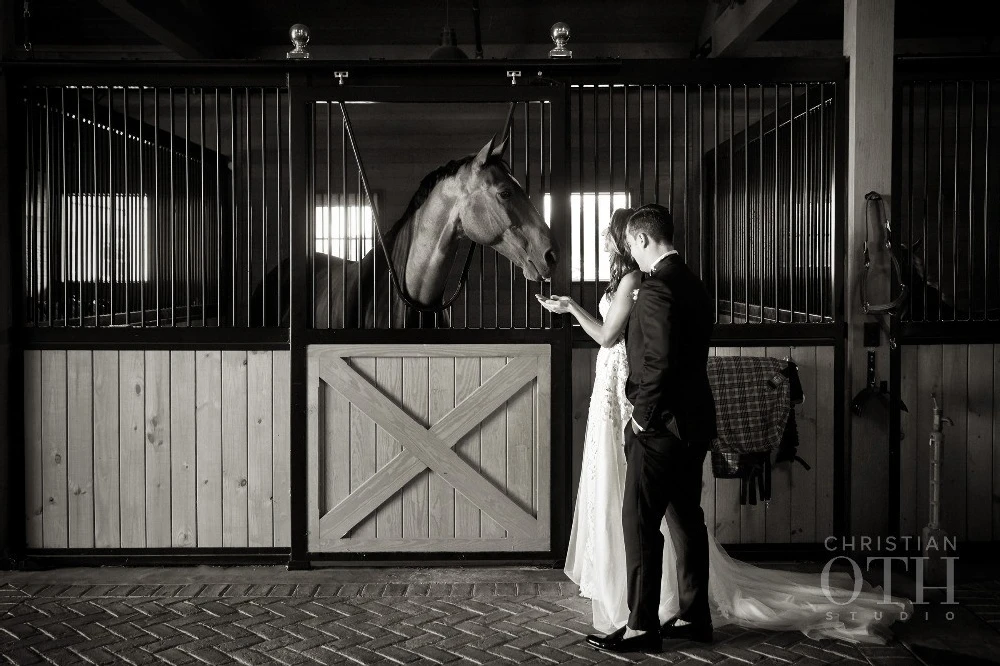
[520, 447]
[543, 445]
[158, 442]
[979, 491]
[335, 447]
[184, 473]
[929, 383]
[363, 446]
[415, 402]
[389, 516]
[107, 509]
[55, 512]
[752, 516]
[494, 447]
[802, 521]
[823, 469]
[911, 438]
[727, 491]
[316, 459]
[441, 496]
[281, 443]
[778, 512]
[33, 502]
[955, 382]
[208, 383]
[260, 517]
[234, 449]
[131, 446]
[80, 447]
[468, 518]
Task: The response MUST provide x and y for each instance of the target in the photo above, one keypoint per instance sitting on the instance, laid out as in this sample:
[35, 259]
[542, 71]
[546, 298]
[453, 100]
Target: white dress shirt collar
[663, 256]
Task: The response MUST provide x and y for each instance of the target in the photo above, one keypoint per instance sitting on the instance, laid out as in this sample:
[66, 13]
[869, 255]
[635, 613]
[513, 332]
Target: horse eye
[505, 194]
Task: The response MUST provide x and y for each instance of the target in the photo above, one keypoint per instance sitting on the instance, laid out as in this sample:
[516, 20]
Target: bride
[739, 593]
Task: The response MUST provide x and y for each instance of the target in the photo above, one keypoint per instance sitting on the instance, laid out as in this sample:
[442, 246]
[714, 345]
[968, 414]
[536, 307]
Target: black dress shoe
[616, 642]
[598, 641]
[700, 632]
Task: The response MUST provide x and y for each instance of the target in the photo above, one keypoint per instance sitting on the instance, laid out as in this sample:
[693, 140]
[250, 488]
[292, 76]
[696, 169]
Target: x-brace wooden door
[434, 448]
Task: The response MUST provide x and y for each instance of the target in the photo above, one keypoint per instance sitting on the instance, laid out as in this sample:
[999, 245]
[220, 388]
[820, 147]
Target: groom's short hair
[653, 220]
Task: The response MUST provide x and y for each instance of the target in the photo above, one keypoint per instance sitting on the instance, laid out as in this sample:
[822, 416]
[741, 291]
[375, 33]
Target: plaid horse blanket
[753, 402]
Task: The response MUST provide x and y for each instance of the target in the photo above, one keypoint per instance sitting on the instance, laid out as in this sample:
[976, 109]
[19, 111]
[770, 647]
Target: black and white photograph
[480, 332]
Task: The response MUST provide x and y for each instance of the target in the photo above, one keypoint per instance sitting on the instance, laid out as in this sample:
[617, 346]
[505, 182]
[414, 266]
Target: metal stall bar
[263, 203]
[730, 212]
[761, 217]
[744, 240]
[63, 120]
[527, 189]
[715, 196]
[986, 206]
[248, 160]
[201, 209]
[327, 212]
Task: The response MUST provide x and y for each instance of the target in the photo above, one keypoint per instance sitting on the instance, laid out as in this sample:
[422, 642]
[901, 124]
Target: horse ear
[484, 153]
[502, 148]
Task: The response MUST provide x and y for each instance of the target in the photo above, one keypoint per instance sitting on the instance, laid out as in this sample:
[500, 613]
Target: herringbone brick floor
[520, 622]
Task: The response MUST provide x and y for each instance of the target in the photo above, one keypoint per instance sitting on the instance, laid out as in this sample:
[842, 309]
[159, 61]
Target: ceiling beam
[170, 23]
[730, 26]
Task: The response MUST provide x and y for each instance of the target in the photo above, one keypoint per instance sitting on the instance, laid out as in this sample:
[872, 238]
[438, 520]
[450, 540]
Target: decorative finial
[560, 35]
[299, 34]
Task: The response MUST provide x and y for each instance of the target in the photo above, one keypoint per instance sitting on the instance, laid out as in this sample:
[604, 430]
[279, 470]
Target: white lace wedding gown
[739, 592]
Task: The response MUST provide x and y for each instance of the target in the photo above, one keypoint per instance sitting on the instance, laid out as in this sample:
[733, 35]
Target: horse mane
[430, 181]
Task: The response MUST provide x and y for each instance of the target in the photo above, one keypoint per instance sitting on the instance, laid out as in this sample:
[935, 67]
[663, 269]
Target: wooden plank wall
[801, 507]
[144, 449]
[966, 381]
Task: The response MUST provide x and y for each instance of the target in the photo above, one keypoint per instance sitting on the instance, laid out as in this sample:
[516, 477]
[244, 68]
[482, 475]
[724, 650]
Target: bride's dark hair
[622, 262]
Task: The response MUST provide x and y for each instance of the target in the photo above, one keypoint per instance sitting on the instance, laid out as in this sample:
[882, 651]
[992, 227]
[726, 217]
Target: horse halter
[892, 307]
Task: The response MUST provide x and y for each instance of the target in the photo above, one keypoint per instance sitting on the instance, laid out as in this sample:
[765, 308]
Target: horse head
[496, 211]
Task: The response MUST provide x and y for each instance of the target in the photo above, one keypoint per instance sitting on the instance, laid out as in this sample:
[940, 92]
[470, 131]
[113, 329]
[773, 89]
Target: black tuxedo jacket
[668, 335]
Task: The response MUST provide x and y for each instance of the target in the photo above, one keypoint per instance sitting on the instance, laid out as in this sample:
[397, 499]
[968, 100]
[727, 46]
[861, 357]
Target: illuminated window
[101, 232]
[345, 229]
[587, 238]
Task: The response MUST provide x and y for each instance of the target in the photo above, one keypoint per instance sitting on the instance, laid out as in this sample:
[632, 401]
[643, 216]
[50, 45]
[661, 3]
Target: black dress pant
[663, 477]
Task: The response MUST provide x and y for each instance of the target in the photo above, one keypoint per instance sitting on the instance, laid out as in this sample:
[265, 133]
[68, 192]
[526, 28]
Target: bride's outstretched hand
[557, 304]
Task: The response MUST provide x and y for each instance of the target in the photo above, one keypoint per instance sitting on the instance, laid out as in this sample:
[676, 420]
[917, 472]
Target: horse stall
[945, 152]
[265, 314]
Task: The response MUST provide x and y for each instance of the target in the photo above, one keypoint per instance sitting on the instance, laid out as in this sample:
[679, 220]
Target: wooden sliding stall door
[431, 448]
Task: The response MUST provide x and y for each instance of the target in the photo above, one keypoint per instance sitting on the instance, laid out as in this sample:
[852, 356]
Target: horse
[474, 198]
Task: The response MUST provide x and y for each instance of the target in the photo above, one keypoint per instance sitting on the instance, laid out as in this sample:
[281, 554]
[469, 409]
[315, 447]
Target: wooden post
[868, 44]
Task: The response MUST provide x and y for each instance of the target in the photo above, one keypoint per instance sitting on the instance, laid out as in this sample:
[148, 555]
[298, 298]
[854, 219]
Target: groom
[673, 423]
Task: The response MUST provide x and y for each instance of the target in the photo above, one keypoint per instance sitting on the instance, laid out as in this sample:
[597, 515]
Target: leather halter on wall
[874, 200]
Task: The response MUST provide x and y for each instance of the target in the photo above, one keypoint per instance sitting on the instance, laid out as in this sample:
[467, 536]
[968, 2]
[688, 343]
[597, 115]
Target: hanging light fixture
[449, 43]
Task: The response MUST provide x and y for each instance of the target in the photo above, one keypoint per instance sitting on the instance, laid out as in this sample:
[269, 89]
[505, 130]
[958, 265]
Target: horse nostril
[550, 258]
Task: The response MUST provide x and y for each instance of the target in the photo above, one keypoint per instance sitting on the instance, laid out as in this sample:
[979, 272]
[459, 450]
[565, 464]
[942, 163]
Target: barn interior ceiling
[411, 29]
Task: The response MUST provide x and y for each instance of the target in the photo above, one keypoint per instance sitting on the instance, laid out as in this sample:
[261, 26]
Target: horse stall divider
[948, 244]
